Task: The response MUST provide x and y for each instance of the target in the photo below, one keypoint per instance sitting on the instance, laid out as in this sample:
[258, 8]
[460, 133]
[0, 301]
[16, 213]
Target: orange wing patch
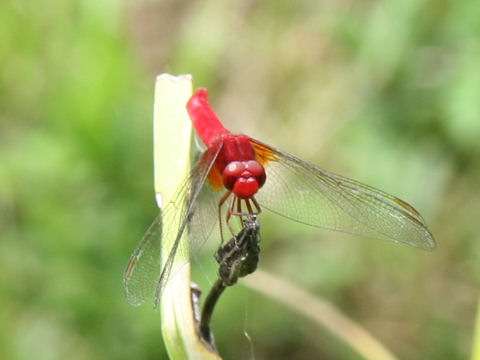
[215, 178]
[264, 154]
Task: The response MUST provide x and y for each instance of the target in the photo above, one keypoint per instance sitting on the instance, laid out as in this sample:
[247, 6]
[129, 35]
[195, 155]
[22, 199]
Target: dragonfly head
[244, 178]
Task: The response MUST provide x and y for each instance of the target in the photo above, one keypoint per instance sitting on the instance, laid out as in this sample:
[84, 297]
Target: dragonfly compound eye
[256, 170]
[244, 178]
[231, 173]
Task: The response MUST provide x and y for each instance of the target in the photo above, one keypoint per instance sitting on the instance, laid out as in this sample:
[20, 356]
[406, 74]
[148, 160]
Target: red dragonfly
[237, 176]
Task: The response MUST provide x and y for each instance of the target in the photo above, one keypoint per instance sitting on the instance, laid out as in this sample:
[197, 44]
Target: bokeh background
[386, 92]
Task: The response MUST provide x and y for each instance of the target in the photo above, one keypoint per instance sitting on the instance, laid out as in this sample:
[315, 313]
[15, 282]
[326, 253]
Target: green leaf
[172, 139]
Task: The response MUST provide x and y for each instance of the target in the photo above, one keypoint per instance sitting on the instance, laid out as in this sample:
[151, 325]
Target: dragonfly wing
[196, 215]
[204, 217]
[144, 276]
[144, 266]
[308, 194]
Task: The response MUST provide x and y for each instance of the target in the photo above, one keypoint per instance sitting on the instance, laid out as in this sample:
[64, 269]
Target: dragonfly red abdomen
[204, 119]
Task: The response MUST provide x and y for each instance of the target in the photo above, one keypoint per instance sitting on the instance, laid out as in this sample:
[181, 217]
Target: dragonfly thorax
[244, 178]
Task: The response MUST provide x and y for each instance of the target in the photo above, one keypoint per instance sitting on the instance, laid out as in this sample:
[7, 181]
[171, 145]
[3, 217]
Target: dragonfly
[237, 177]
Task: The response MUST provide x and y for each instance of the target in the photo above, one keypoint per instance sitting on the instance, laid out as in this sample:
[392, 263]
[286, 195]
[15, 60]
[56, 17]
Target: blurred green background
[386, 92]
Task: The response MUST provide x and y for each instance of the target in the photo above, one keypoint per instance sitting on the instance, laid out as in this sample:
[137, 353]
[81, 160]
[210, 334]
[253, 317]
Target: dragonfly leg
[258, 209]
[230, 212]
[236, 208]
[249, 206]
[220, 204]
[250, 210]
[239, 211]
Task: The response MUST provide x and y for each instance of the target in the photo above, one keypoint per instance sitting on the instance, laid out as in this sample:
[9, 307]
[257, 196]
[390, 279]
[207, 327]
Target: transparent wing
[144, 277]
[308, 194]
